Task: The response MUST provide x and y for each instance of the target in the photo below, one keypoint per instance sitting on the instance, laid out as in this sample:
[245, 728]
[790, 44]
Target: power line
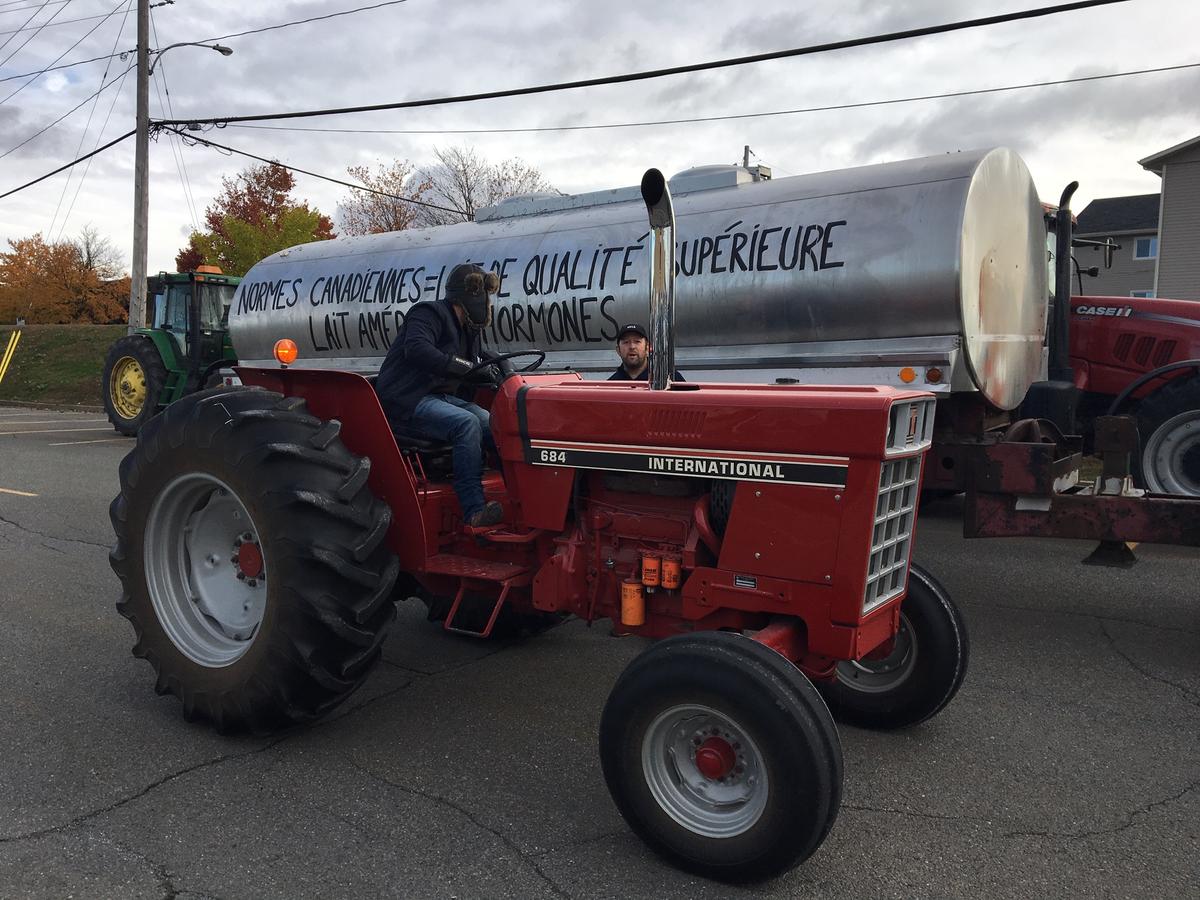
[63, 168]
[346, 12]
[23, 24]
[725, 118]
[191, 138]
[63, 116]
[83, 62]
[30, 6]
[99, 137]
[88, 167]
[71, 65]
[37, 75]
[44, 24]
[36, 31]
[660, 73]
[175, 141]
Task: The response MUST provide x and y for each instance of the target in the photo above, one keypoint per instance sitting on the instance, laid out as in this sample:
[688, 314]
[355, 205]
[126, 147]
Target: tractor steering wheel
[501, 362]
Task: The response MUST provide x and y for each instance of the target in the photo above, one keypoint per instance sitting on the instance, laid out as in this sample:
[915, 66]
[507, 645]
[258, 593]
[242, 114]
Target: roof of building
[1154, 162]
[1112, 214]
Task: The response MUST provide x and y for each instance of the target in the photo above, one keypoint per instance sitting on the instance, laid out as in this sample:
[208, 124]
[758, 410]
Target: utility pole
[141, 172]
[746, 157]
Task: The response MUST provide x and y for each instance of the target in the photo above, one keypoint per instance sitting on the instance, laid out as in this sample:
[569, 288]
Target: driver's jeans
[445, 417]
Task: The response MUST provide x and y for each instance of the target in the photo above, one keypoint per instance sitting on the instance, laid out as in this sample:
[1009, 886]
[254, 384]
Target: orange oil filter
[651, 571]
[672, 570]
[633, 603]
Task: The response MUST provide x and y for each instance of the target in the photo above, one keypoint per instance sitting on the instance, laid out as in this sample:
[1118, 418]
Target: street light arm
[156, 55]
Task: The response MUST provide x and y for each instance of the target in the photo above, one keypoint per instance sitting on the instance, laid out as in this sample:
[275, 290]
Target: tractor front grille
[891, 538]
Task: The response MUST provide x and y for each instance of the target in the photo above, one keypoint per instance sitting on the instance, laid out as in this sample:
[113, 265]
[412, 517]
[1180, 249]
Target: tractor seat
[410, 439]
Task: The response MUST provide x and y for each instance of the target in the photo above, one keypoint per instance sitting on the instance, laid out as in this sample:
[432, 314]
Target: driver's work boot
[491, 514]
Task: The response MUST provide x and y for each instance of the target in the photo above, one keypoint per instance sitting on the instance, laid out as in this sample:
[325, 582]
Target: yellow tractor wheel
[134, 376]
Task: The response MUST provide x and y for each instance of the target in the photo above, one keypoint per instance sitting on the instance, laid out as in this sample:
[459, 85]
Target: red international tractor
[762, 533]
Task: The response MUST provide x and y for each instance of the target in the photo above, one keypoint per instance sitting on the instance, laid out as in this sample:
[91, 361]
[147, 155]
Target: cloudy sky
[1093, 132]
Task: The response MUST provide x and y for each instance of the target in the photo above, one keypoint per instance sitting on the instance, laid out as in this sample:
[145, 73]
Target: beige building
[1131, 222]
[1178, 271]
[1159, 233]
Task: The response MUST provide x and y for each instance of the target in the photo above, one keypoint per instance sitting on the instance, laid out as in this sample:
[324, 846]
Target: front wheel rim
[1171, 460]
[725, 802]
[205, 569]
[877, 676]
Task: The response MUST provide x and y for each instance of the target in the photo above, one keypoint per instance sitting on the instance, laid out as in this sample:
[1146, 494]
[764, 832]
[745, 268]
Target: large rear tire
[252, 559]
[920, 674]
[134, 377]
[722, 756]
[1169, 425]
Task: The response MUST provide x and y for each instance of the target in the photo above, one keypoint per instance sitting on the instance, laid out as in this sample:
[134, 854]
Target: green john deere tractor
[182, 352]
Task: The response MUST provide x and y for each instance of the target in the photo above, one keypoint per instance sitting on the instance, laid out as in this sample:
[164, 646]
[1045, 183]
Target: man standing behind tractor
[422, 376]
[634, 349]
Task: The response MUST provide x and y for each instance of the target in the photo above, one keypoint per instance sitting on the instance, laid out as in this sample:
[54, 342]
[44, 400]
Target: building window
[1145, 248]
[1141, 293]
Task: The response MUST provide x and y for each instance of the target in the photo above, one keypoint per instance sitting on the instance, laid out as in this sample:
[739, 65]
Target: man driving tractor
[421, 382]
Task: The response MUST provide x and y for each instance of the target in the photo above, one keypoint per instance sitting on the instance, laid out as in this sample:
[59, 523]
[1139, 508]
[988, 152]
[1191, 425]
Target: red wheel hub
[249, 560]
[715, 758]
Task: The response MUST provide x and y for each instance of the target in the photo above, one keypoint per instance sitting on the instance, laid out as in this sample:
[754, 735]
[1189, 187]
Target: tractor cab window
[176, 313]
[214, 305]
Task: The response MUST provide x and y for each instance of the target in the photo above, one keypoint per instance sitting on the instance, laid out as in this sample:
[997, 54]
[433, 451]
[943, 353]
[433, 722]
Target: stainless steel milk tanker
[855, 275]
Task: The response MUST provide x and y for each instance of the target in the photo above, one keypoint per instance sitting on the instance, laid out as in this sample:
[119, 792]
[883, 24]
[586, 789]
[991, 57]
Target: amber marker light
[934, 375]
[908, 374]
[286, 351]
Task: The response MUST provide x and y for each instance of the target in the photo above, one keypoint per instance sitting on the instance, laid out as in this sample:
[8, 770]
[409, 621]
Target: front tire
[134, 377]
[1169, 424]
[252, 559]
[722, 756]
[920, 674]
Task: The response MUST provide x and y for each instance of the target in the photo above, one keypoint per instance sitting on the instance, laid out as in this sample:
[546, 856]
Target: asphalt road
[1068, 765]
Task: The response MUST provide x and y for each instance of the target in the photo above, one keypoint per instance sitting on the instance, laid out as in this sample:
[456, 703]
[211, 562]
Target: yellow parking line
[96, 441]
[53, 430]
[18, 493]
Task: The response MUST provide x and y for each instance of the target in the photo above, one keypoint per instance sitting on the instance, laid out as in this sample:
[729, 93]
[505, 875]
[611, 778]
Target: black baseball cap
[632, 328]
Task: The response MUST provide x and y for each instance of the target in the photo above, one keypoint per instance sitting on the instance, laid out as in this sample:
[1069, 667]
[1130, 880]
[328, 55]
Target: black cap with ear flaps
[468, 286]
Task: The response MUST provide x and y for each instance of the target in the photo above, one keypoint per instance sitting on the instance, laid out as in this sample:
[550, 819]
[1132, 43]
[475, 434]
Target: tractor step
[466, 569]
[470, 567]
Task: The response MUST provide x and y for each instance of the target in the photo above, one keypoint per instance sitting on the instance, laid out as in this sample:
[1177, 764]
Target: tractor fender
[169, 352]
[351, 399]
[1150, 376]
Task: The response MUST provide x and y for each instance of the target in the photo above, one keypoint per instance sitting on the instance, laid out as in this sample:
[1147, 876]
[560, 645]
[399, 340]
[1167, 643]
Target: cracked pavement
[1068, 764]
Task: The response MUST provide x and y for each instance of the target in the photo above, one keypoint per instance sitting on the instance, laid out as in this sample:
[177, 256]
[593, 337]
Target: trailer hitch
[1026, 485]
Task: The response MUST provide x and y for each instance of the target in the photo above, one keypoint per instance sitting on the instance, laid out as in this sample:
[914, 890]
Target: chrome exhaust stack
[657, 197]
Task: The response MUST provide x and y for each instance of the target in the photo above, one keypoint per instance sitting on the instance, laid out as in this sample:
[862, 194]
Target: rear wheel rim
[877, 676]
[205, 570]
[712, 807]
[1171, 460]
[127, 387]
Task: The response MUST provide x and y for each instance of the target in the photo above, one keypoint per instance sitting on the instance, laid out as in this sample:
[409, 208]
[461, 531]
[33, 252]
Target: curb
[64, 407]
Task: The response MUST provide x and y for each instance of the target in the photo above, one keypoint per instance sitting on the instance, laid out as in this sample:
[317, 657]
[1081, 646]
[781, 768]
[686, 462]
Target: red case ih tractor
[763, 533]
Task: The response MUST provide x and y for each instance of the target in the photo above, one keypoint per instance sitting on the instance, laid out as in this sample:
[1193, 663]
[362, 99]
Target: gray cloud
[427, 48]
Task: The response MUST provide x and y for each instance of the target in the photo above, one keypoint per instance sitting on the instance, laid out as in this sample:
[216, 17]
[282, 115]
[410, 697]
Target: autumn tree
[464, 181]
[63, 282]
[99, 254]
[253, 217]
[377, 208]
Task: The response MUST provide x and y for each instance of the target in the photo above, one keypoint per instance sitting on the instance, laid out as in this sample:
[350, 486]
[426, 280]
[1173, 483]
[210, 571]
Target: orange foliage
[53, 284]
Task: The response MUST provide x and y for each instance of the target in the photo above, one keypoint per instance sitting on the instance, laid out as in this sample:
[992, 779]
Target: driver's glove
[458, 366]
[486, 375]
